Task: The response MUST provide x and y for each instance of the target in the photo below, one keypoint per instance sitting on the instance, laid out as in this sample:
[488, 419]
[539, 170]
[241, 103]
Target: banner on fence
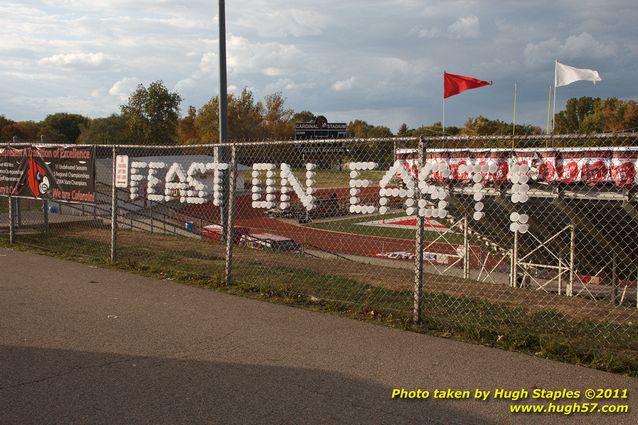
[60, 173]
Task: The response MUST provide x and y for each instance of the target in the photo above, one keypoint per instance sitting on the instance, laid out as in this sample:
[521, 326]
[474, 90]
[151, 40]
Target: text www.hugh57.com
[568, 409]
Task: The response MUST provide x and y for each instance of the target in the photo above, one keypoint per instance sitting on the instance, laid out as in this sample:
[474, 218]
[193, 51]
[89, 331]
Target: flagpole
[443, 121]
[549, 109]
[554, 110]
[514, 120]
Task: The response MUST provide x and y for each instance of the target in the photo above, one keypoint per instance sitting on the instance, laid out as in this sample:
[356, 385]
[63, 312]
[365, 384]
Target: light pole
[223, 114]
[223, 95]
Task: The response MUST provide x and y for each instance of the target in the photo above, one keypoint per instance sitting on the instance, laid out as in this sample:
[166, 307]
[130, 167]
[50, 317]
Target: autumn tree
[23, 131]
[596, 115]
[14, 130]
[244, 116]
[481, 126]
[303, 116]
[362, 130]
[619, 115]
[434, 129]
[276, 122]
[152, 114]
[206, 122]
[63, 127]
[379, 131]
[32, 129]
[186, 130]
[247, 119]
[573, 118]
[112, 130]
[4, 123]
[404, 131]
[358, 129]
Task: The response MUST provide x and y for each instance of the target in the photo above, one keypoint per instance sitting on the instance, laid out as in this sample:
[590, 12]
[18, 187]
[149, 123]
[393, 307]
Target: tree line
[151, 116]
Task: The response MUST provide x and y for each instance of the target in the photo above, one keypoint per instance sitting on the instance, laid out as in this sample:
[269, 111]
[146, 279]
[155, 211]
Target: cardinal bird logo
[38, 181]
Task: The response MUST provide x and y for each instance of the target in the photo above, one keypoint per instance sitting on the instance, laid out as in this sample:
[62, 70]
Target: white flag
[565, 74]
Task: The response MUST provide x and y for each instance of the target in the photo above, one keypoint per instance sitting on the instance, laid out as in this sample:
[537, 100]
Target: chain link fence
[511, 240]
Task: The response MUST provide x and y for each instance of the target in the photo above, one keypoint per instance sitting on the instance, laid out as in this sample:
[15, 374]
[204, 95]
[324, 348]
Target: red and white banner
[498, 166]
[547, 165]
[463, 160]
[624, 163]
[591, 166]
[438, 158]
[596, 167]
[569, 166]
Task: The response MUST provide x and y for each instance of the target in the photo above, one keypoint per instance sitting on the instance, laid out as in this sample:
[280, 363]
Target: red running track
[325, 240]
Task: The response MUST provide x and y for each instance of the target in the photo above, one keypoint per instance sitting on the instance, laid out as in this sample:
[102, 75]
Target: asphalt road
[80, 345]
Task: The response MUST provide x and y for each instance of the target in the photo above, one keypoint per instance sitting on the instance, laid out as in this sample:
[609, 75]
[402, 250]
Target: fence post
[572, 248]
[417, 314]
[14, 140]
[466, 249]
[12, 230]
[18, 212]
[230, 208]
[560, 273]
[150, 213]
[114, 209]
[219, 153]
[514, 261]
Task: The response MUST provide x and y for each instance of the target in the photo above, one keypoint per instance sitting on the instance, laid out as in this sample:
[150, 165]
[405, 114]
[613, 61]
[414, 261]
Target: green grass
[331, 178]
[350, 225]
[544, 333]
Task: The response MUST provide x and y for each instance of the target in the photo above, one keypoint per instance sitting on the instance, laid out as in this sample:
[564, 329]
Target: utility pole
[223, 113]
[223, 95]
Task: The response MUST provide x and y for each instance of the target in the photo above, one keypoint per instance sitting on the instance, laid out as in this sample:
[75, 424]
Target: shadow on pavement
[40, 385]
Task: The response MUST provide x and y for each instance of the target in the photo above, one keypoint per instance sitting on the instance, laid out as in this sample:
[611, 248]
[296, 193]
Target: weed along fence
[513, 241]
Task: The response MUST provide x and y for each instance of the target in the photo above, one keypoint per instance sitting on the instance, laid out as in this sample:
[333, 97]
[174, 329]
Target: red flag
[455, 84]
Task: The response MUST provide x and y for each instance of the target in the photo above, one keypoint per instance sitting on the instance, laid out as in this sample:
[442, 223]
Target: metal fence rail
[488, 235]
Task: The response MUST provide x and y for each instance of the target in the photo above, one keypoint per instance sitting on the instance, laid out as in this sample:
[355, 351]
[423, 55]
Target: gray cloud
[465, 27]
[376, 60]
[581, 46]
[77, 60]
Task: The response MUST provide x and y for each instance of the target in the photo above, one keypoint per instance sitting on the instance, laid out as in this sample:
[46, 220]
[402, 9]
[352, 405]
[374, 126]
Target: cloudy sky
[381, 61]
